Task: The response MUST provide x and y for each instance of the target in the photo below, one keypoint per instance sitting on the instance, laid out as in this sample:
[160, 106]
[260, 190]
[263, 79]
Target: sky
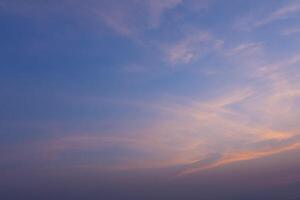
[149, 99]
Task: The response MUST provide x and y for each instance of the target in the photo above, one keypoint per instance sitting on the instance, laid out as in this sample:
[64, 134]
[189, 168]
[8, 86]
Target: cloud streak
[280, 14]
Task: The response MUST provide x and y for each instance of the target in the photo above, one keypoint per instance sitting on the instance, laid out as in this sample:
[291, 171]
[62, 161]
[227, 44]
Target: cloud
[241, 156]
[247, 122]
[131, 17]
[253, 120]
[279, 14]
[246, 56]
[290, 31]
[240, 125]
[157, 8]
[244, 124]
[194, 45]
[257, 20]
[126, 17]
[247, 48]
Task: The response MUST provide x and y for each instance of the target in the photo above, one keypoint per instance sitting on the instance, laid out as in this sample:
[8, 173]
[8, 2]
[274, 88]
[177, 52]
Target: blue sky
[181, 88]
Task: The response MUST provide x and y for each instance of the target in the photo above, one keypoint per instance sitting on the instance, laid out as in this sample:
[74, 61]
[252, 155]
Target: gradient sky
[150, 99]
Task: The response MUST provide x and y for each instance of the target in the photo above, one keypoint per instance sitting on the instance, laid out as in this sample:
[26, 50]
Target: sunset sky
[150, 99]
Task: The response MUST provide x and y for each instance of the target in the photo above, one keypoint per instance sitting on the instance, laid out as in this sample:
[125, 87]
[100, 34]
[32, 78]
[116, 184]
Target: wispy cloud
[240, 125]
[279, 14]
[246, 50]
[256, 20]
[132, 17]
[124, 17]
[194, 45]
[240, 156]
[290, 31]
